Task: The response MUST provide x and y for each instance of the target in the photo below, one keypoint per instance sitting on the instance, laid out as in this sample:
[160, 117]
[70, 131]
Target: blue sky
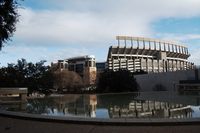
[58, 29]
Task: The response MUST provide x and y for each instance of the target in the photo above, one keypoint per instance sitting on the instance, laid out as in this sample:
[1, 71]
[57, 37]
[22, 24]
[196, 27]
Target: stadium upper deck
[150, 55]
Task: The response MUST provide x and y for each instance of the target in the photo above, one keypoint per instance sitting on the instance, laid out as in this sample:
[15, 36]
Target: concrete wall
[167, 80]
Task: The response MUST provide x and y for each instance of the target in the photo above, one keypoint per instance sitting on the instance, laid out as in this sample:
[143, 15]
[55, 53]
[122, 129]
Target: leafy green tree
[118, 81]
[8, 19]
[37, 77]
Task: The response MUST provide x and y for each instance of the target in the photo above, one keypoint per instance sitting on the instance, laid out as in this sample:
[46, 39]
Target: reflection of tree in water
[159, 87]
[39, 106]
[117, 101]
[121, 100]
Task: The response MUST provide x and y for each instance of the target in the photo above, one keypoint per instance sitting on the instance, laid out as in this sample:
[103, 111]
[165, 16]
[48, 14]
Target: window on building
[90, 63]
[79, 68]
[66, 65]
[61, 65]
[86, 64]
[71, 67]
[94, 64]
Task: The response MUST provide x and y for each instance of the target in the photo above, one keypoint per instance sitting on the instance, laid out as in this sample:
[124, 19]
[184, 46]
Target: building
[101, 66]
[150, 55]
[192, 86]
[85, 66]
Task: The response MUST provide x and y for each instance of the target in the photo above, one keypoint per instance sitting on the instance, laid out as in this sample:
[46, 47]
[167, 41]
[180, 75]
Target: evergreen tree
[117, 81]
[8, 19]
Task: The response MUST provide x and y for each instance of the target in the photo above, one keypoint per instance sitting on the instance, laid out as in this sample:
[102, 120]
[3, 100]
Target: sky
[58, 29]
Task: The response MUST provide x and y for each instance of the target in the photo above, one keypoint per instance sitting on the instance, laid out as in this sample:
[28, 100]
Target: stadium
[149, 55]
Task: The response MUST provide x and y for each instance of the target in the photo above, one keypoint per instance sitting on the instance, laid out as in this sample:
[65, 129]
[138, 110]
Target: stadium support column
[134, 67]
[125, 42]
[176, 65]
[172, 65]
[184, 65]
[127, 66]
[187, 51]
[168, 47]
[113, 63]
[149, 45]
[118, 42]
[154, 45]
[120, 63]
[173, 48]
[152, 65]
[138, 44]
[179, 47]
[143, 44]
[164, 47]
[158, 61]
[168, 65]
[176, 48]
[184, 52]
[160, 46]
[163, 62]
[131, 43]
[147, 66]
[181, 65]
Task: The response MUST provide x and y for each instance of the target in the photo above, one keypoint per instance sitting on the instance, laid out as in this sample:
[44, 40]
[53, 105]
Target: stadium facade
[150, 55]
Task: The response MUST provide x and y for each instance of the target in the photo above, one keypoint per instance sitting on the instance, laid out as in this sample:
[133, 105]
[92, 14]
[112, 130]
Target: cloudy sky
[58, 29]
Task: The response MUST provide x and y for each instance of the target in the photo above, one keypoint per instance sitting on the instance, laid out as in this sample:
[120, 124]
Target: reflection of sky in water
[99, 113]
[196, 111]
[102, 113]
[53, 112]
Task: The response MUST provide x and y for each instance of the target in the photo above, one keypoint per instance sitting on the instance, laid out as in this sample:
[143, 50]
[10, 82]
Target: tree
[68, 80]
[118, 81]
[8, 19]
[159, 87]
[37, 77]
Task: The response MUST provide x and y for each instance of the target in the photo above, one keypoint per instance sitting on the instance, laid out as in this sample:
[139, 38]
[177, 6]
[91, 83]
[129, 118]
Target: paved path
[14, 125]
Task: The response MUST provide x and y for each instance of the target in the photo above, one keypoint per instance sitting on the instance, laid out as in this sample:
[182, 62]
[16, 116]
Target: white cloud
[178, 37]
[69, 27]
[12, 53]
[93, 22]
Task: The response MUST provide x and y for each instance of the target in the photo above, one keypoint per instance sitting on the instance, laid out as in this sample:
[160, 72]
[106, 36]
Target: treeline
[38, 77]
[118, 81]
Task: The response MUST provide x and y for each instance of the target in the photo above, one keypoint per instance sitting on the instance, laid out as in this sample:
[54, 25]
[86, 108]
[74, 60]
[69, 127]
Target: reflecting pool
[127, 105]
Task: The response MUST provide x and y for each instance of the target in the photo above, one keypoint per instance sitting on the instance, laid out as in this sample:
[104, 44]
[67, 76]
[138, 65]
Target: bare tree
[67, 80]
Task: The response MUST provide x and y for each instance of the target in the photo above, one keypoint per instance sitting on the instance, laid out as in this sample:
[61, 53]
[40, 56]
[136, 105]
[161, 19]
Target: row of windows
[77, 67]
[90, 64]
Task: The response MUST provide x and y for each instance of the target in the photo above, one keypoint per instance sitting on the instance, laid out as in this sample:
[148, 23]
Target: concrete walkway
[25, 124]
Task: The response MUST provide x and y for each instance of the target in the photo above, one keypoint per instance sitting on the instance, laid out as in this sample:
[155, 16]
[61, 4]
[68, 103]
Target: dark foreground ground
[14, 125]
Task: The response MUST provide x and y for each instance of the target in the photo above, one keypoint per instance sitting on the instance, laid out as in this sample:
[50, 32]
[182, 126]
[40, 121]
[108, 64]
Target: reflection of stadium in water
[93, 106]
[155, 109]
